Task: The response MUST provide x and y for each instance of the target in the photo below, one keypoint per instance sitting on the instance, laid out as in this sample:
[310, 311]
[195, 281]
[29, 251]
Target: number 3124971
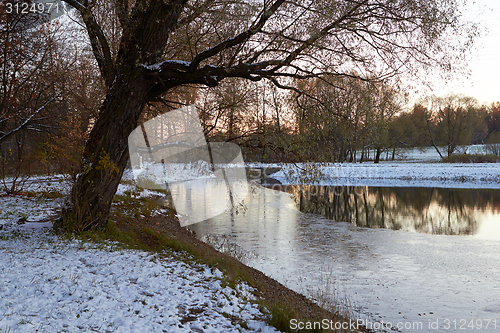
[31, 8]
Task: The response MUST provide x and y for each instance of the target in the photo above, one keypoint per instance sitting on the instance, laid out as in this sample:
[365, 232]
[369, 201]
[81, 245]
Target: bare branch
[237, 39]
[323, 32]
[100, 46]
[27, 122]
[196, 12]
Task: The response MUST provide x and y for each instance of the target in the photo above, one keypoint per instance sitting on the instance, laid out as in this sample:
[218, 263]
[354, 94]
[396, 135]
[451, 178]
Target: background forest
[51, 90]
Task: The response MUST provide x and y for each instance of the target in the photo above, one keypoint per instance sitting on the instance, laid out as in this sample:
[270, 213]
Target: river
[416, 259]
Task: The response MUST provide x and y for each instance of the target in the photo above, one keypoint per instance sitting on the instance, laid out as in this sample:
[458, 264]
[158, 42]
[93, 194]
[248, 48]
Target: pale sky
[484, 82]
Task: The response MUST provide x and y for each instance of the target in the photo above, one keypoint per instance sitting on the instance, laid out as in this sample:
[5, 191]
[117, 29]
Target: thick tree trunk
[106, 155]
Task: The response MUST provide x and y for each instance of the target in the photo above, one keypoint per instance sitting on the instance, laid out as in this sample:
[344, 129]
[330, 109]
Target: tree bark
[106, 152]
[437, 149]
[106, 155]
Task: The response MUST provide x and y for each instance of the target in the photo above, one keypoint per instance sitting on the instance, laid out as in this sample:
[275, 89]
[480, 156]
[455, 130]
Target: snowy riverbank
[48, 284]
[51, 284]
[396, 174]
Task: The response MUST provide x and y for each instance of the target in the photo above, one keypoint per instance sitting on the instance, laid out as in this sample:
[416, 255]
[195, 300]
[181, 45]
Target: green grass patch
[134, 207]
[279, 315]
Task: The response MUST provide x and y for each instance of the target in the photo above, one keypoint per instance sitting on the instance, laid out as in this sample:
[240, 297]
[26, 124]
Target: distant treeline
[342, 120]
[50, 95]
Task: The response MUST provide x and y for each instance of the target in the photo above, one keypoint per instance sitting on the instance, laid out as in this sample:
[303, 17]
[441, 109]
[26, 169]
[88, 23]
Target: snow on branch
[26, 122]
[168, 64]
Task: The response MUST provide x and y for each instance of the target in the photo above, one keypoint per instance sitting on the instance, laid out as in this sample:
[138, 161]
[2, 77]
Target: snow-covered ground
[414, 167]
[51, 284]
[428, 154]
[396, 174]
[43, 198]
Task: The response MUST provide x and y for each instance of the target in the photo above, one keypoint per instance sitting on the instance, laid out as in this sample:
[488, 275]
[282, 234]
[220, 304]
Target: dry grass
[472, 158]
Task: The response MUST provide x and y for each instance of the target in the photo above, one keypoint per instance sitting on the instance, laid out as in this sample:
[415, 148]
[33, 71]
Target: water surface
[413, 256]
[440, 211]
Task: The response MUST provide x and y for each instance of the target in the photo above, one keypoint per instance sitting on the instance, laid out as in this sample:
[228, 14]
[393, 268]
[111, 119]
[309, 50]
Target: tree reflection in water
[442, 211]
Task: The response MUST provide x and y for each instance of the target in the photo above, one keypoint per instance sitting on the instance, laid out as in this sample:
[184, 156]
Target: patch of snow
[39, 205]
[429, 154]
[59, 183]
[400, 174]
[158, 66]
[160, 174]
[122, 188]
[49, 284]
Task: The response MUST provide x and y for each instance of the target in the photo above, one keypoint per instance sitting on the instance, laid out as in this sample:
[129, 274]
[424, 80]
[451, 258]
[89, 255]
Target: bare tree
[25, 93]
[331, 116]
[450, 121]
[30, 100]
[385, 103]
[343, 115]
[165, 44]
